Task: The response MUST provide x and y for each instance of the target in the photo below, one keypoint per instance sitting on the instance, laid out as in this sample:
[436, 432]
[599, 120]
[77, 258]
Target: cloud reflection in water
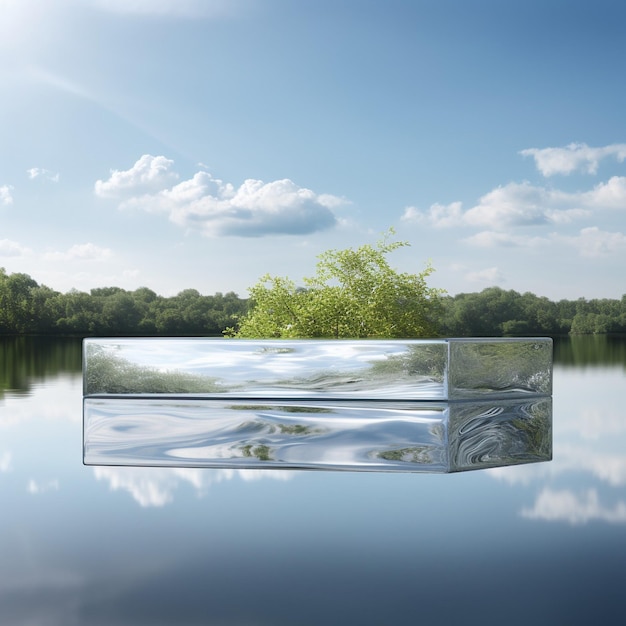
[576, 509]
[585, 480]
[155, 487]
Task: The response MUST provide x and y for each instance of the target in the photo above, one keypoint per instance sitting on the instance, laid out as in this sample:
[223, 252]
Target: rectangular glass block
[437, 369]
[416, 436]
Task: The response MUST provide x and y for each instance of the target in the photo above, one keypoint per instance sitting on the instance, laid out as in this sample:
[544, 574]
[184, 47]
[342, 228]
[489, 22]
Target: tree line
[498, 312]
[27, 307]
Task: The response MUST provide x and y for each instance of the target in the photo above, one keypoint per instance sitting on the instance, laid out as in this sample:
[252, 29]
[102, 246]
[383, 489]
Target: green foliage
[26, 307]
[355, 293]
[418, 454]
[494, 312]
[24, 360]
[427, 361]
[536, 432]
[22, 303]
[261, 452]
[108, 373]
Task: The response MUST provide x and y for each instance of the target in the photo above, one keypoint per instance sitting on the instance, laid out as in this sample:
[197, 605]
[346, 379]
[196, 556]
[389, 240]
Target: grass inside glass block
[399, 369]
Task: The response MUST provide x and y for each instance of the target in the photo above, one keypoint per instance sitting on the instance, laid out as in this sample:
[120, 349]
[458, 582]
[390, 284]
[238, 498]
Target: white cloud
[520, 204]
[593, 242]
[217, 208]
[412, 214]
[590, 242]
[595, 422]
[607, 468]
[81, 252]
[609, 195]
[36, 488]
[148, 175]
[5, 195]
[439, 215]
[250, 475]
[61, 401]
[523, 204]
[12, 248]
[147, 486]
[331, 202]
[566, 506]
[491, 275]
[565, 216]
[491, 239]
[574, 157]
[521, 474]
[610, 469]
[38, 172]
[154, 487]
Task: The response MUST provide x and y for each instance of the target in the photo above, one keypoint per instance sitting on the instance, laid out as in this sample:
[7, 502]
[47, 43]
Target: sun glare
[18, 20]
[12, 13]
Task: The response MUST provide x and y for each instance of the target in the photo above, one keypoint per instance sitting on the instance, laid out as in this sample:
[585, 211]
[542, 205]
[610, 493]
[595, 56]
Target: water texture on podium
[440, 405]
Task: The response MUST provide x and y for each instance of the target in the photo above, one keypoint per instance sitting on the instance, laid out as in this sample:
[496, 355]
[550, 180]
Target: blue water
[535, 544]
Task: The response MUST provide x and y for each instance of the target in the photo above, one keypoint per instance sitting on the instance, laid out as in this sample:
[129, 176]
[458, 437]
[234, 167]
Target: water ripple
[351, 435]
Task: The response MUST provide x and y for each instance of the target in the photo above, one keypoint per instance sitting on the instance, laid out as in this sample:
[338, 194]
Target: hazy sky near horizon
[202, 143]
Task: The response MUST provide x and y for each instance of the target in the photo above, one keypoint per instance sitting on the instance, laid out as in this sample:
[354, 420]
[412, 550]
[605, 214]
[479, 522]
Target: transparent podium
[440, 405]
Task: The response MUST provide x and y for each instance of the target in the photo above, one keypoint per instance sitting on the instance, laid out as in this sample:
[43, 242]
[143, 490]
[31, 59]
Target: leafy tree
[481, 314]
[21, 302]
[120, 313]
[76, 312]
[495, 312]
[355, 293]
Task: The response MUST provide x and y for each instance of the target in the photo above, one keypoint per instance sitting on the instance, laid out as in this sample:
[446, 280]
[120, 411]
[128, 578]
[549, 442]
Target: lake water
[534, 544]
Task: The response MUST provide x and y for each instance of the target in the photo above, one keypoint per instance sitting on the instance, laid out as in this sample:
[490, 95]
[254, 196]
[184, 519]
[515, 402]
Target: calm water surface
[535, 544]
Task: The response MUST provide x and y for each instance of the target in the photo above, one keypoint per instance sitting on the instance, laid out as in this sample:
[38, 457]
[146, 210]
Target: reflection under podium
[351, 435]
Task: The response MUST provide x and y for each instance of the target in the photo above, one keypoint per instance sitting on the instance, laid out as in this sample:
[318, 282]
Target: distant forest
[29, 308]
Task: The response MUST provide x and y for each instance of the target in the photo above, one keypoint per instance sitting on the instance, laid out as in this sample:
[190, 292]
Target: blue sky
[200, 144]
